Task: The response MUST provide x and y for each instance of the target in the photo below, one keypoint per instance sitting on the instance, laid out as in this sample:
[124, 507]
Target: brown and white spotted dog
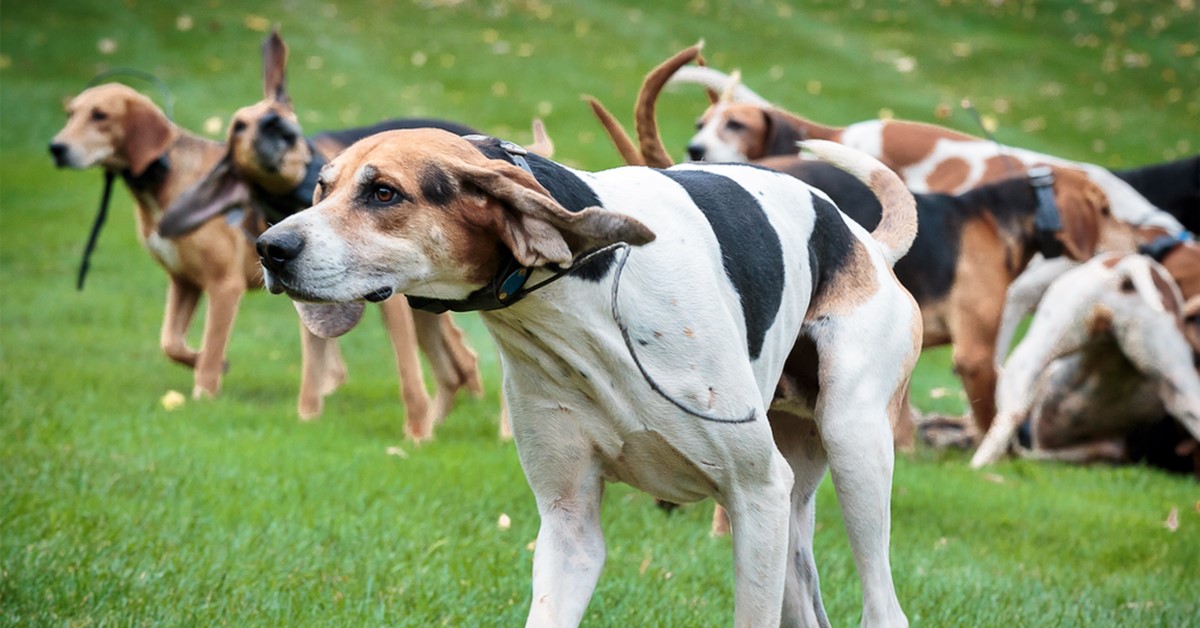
[758, 340]
[114, 127]
[270, 164]
[1111, 352]
[938, 161]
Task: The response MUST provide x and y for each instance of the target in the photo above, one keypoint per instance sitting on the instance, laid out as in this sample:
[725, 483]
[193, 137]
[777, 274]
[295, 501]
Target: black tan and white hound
[703, 331]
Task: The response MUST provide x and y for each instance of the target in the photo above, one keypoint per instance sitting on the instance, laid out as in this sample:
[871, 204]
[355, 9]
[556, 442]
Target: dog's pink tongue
[329, 320]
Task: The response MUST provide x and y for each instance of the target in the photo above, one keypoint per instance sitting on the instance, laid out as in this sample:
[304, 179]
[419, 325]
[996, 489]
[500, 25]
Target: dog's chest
[163, 251]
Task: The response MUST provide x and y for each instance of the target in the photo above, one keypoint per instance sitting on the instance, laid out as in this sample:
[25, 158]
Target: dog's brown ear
[536, 228]
[1082, 205]
[781, 136]
[221, 190]
[274, 53]
[148, 134]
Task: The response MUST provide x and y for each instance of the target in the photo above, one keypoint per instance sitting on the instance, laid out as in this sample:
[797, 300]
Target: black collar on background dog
[508, 285]
[1160, 247]
[1047, 222]
[154, 174]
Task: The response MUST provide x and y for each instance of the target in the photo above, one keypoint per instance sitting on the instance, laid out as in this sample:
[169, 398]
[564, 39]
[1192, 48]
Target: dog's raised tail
[898, 226]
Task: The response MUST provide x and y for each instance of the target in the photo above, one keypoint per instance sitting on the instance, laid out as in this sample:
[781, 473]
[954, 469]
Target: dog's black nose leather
[277, 250]
[59, 151]
[695, 152]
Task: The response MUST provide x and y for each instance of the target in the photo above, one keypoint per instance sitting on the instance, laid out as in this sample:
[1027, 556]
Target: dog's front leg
[223, 302]
[321, 372]
[182, 299]
[398, 318]
[569, 553]
[453, 363]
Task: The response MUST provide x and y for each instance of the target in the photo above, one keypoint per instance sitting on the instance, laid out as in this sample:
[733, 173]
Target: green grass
[115, 511]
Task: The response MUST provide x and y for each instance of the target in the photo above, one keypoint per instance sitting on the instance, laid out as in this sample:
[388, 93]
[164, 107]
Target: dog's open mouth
[379, 295]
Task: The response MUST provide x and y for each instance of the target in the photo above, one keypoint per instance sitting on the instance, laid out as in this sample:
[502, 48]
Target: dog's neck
[280, 206]
[1013, 206]
[181, 166]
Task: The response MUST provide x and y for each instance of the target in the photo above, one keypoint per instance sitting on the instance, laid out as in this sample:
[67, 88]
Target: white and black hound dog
[702, 331]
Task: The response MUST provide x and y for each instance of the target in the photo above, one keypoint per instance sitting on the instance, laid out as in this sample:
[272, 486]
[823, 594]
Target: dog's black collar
[508, 285]
[1047, 222]
[151, 177]
[1160, 247]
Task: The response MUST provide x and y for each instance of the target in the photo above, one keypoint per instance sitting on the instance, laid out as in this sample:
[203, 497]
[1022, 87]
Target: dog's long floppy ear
[274, 53]
[1081, 208]
[536, 228]
[148, 134]
[781, 136]
[221, 190]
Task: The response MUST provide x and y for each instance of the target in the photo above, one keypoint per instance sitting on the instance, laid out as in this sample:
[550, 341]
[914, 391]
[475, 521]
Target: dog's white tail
[898, 226]
[717, 81]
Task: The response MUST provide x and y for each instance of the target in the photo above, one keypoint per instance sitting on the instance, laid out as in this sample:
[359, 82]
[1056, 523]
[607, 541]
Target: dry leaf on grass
[504, 522]
[1172, 522]
[172, 400]
[396, 451]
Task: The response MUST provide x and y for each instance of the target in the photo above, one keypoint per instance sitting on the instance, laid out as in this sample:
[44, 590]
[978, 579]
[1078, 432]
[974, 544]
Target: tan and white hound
[758, 339]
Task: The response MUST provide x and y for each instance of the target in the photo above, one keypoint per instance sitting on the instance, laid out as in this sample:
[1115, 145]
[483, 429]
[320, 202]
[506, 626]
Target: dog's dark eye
[699, 124]
[384, 194]
[99, 116]
[734, 125]
[239, 126]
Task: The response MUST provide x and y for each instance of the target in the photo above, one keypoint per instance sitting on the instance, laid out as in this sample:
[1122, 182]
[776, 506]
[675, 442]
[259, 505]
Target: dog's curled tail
[898, 227]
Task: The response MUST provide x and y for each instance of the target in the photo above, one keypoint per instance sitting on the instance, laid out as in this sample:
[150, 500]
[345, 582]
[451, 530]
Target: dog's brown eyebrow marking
[436, 186]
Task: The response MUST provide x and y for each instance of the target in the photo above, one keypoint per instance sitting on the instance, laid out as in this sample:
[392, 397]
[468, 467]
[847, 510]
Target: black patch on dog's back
[1172, 186]
[565, 187]
[830, 246]
[346, 137]
[750, 247]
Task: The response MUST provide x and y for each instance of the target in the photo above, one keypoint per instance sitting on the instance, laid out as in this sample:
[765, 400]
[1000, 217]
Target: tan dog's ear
[1081, 207]
[147, 134]
[274, 53]
[781, 136]
[221, 190]
[536, 228]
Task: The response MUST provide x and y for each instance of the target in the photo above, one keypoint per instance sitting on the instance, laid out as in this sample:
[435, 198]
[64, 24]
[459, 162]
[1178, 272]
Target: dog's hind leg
[398, 318]
[223, 302]
[570, 551]
[852, 415]
[182, 299]
[453, 363]
[800, 443]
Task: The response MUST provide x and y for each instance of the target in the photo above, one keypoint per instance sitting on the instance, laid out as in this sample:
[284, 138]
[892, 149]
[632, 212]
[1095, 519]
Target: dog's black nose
[276, 250]
[695, 152]
[59, 151]
[272, 124]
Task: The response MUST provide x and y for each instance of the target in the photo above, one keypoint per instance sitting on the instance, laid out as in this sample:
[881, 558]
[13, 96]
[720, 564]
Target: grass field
[116, 511]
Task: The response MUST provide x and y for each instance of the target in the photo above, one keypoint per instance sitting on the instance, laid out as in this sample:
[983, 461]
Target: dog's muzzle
[276, 251]
[275, 137]
[60, 152]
